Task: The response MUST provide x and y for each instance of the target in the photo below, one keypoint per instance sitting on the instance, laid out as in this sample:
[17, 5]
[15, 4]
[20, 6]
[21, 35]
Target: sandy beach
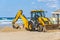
[17, 34]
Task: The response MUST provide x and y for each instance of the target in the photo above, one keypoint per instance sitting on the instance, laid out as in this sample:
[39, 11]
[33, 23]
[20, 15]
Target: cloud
[41, 0]
[45, 0]
[33, 2]
[52, 0]
[52, 3]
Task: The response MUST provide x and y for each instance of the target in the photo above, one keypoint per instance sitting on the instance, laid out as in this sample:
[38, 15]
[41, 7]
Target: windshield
[40, 14]
[37, 14]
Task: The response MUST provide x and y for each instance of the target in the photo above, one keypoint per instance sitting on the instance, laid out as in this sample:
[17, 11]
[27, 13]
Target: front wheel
[30, 26]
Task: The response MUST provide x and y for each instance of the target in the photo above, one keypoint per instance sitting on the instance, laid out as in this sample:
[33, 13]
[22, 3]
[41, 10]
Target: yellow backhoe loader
[38, 21]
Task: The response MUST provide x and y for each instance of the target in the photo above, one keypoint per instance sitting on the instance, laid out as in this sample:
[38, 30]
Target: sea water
[7, 21]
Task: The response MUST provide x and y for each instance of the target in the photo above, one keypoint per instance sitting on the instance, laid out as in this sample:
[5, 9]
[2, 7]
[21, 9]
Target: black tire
[40, 28]
[30, 26]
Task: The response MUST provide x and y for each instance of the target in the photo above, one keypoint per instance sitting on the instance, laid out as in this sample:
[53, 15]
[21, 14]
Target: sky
[9, 8]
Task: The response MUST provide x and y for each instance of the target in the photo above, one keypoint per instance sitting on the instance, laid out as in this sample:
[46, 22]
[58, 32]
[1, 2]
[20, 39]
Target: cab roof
[37, 11]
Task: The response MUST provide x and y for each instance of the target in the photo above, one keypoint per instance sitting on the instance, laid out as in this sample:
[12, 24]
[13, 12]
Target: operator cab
[37, 13]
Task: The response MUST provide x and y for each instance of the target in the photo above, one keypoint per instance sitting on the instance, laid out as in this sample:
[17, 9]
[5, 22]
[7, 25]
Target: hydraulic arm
[24, 19]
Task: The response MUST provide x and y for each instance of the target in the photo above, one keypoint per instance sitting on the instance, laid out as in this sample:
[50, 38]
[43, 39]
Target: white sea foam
[9, 21]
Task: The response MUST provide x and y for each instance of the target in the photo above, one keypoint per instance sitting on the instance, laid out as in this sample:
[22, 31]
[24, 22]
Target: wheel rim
[40, 28]
[30, 27]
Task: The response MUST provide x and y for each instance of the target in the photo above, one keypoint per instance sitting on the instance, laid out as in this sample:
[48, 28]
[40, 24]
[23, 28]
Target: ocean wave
[8, 20]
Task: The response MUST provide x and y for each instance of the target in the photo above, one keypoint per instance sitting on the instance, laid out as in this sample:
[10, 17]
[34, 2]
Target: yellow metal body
[41, 19]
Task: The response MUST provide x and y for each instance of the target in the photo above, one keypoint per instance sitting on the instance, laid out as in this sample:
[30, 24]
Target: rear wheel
[40, 28]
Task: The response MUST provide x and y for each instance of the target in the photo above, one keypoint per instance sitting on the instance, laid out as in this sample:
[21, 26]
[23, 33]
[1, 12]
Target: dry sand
[14, 34]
